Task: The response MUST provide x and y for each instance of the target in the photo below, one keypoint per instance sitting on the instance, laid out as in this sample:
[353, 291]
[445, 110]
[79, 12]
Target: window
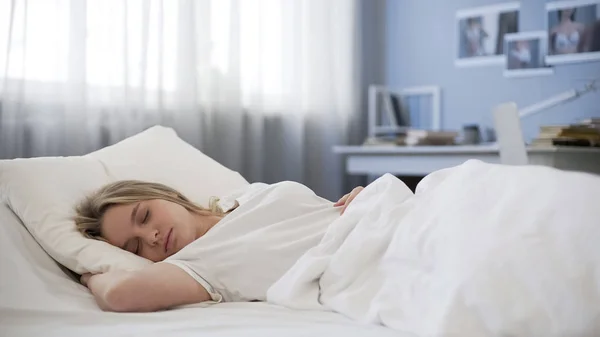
[102, 42]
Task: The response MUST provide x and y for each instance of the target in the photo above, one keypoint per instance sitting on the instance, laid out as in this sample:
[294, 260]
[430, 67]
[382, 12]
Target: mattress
[38, 298]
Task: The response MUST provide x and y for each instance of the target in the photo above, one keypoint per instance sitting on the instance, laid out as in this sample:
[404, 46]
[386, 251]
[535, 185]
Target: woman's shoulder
[292, 187]
[579, 26]
[233, 199]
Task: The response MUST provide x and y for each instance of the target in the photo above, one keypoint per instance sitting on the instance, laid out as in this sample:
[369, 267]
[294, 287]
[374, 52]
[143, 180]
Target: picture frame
[480, 33]
[573, 29]
[525, 54]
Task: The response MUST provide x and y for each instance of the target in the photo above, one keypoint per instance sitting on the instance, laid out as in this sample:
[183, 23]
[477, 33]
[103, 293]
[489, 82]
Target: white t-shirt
[254, 245]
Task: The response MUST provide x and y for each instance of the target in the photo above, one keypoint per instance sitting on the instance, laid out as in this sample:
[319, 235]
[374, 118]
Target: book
[584, 133]
[415, 137]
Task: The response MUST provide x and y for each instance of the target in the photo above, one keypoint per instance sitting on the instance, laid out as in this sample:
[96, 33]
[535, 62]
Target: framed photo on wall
[481, 31]
[525, 54]
[573, 29]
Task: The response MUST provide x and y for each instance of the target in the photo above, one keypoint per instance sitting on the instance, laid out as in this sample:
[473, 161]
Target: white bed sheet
[37, 298]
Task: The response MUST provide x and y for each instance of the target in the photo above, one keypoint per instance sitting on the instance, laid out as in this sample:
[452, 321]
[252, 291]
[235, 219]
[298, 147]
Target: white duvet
[479, 250]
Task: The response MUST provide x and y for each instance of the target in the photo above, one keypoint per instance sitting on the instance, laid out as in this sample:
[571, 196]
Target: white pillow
[29, 279]
[43, 191]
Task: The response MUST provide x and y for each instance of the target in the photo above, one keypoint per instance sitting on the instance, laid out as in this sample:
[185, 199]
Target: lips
[168, 240]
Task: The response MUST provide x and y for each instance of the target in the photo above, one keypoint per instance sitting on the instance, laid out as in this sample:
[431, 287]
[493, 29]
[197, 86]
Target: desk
[422, 160]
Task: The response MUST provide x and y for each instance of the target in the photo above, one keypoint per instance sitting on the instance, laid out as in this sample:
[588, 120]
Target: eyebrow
[133, 214]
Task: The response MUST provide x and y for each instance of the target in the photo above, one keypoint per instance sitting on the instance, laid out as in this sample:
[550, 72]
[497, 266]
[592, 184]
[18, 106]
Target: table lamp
[507, 122]
[562, 98]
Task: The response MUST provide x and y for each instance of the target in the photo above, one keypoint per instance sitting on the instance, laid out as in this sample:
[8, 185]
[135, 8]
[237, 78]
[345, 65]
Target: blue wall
[420, 36]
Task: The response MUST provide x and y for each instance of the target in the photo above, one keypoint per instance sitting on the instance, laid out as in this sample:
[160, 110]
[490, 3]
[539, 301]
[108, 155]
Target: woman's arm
[156, 287]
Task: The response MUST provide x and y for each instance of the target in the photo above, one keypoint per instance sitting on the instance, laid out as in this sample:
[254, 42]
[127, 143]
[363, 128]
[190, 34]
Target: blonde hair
[89, 212]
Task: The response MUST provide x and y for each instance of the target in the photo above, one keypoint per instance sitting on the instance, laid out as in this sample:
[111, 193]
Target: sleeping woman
[232, 251]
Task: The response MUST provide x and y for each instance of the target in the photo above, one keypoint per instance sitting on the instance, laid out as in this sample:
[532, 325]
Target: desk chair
[509, 135]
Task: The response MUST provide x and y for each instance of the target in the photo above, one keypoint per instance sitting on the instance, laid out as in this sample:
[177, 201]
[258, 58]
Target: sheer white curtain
[266, 87]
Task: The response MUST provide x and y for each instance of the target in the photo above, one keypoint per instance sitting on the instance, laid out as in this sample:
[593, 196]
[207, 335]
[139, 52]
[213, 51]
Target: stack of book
[415, 137]
[585, 133]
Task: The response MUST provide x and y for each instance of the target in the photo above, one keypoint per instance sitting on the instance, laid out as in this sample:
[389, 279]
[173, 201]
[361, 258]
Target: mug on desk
[471, 135]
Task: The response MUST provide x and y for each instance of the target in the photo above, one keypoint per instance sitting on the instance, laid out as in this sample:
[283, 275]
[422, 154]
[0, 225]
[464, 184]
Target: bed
[477, 250]
[38, 298]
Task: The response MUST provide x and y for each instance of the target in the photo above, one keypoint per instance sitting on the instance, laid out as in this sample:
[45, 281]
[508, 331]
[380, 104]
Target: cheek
[176, 216]
[185, 220]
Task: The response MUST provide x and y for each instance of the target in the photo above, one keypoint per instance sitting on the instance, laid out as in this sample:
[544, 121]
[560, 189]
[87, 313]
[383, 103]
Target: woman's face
[522, 44]
[566, 13]
[474, 24]
[153, 229]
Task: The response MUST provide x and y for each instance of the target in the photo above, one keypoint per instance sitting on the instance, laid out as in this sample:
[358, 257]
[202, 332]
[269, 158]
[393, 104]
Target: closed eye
[146, 216]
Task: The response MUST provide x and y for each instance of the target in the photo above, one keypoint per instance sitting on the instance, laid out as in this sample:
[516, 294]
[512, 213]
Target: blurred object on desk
[428, 137]
[415, 137]
[471, 135]
[585, 133]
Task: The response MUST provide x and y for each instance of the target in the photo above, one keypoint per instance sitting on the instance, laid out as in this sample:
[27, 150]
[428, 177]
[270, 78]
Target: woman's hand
[347, 199]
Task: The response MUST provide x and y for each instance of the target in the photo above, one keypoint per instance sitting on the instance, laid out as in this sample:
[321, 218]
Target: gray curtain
[270, 110]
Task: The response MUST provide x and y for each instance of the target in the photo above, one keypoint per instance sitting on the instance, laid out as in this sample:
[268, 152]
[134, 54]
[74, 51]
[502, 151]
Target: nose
[152, 237]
